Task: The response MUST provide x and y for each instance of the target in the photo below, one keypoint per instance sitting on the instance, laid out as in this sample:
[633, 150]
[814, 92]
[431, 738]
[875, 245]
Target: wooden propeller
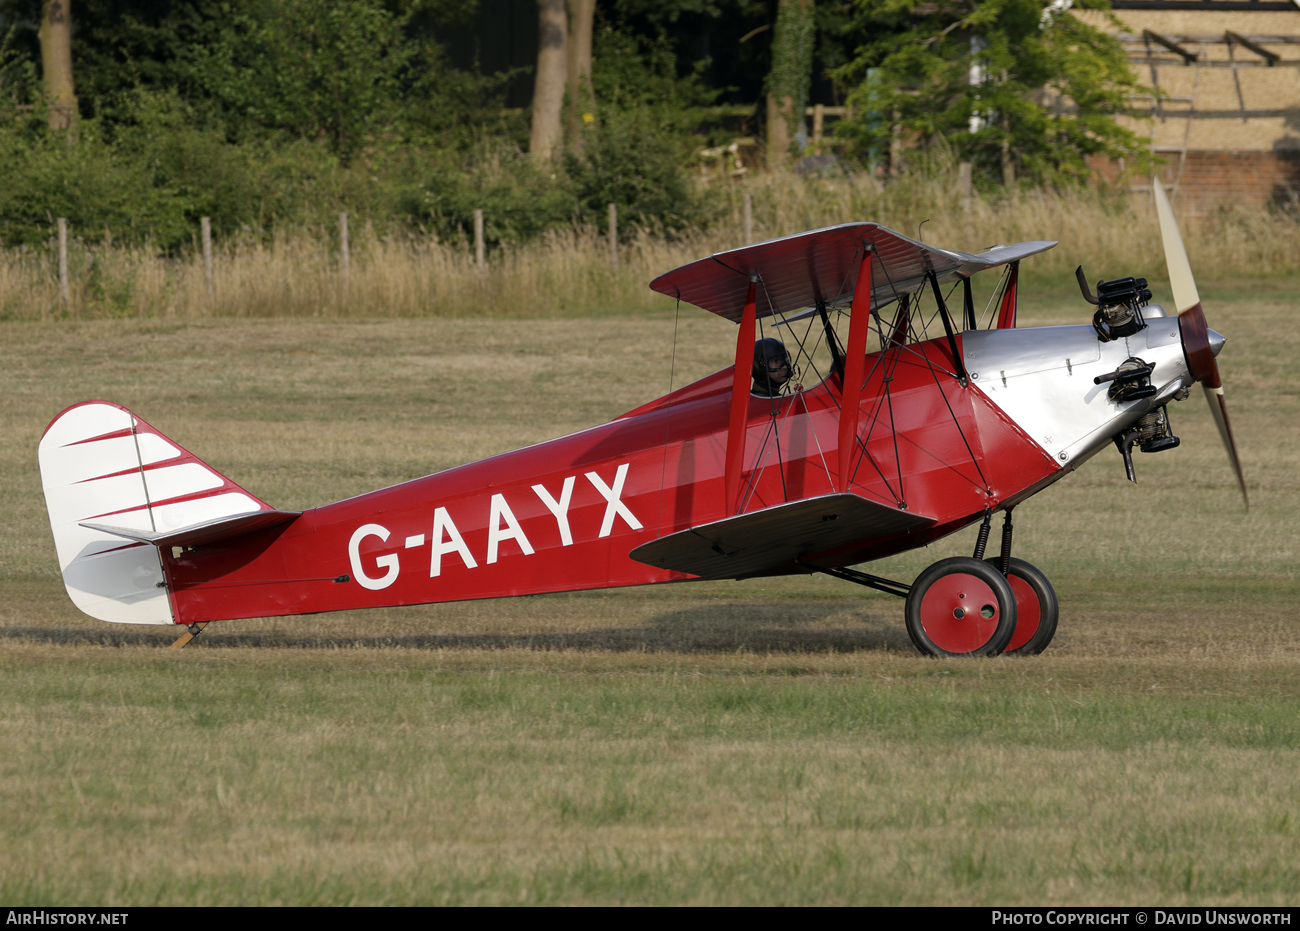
[1195, 333]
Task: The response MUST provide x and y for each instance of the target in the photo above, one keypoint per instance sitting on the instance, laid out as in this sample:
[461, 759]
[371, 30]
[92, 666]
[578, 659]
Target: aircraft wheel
[1037, 609]
[961, 607]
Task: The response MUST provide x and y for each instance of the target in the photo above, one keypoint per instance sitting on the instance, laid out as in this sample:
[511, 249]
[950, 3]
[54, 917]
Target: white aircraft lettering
[389, 561]
[614, 506]
[498, 535]
[502, 526]
[443, 525]
[559, 508]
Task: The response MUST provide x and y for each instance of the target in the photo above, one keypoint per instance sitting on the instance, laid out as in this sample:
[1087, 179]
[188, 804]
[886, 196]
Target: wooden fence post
[749, 218]
[344, 258]
[895, 144]
[63, 260]
[963, 185]
[205, 227]
[613, 237]
[480, 258]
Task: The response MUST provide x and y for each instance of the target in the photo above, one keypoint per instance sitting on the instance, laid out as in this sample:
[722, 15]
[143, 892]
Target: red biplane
[920, 424]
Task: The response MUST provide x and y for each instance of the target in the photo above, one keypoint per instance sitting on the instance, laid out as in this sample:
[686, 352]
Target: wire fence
[348, 269]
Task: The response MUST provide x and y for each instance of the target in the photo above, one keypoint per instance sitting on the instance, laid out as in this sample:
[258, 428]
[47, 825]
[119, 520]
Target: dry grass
[771, 741]
[297, 274]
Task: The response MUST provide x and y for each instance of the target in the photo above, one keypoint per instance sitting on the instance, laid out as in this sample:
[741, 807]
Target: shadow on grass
[703, 629]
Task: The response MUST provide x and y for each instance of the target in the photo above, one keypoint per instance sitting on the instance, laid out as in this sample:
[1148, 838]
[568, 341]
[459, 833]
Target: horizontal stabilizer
[207, 532]
[777, 536]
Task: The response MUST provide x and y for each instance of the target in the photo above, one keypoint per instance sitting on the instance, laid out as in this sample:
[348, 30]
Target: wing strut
[901, 322]
[855, 361]
[1007, 313]
[735, 461]
[837, 355]
[947, 328]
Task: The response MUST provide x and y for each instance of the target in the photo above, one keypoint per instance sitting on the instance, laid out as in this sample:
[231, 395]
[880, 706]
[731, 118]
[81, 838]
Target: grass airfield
[760, 742]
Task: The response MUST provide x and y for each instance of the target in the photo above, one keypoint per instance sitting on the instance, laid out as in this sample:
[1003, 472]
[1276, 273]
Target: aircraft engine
[1151, 434]
[1119, 304]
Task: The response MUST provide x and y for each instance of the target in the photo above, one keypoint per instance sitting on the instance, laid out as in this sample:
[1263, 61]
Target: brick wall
[1210, 181]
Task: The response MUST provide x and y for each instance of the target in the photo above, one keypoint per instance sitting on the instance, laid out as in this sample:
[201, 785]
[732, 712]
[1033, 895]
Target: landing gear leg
[1004, 563]
[1037, 609]
[191, 631]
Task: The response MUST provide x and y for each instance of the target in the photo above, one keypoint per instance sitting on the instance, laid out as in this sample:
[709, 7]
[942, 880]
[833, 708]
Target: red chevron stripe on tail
[100, 462]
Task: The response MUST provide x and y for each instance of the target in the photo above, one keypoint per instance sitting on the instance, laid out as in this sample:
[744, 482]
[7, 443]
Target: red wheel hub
[1029, 612]
[960, 613]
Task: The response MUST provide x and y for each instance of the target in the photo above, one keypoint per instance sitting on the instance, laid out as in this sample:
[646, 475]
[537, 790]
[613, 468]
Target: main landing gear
[974, 606]
[961, 607]
[1036, 608]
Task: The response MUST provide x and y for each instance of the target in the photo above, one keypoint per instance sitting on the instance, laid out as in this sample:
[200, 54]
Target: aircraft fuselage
[563, 515]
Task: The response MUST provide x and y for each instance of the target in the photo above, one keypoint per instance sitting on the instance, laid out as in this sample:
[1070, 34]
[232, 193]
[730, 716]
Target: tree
[549, 80]
[329, 69]
[562, 92]
[790, 77]
[56, 62]
[1015, 86]
[581, 93]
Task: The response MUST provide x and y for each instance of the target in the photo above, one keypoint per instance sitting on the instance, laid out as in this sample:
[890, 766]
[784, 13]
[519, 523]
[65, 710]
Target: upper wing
[822, 265]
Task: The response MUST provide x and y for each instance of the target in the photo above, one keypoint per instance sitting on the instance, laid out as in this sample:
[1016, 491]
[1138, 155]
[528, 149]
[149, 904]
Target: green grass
[766, 742]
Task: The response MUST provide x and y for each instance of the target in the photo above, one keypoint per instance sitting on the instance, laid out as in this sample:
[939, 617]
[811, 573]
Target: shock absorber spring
[982, 541]
[1004, 562]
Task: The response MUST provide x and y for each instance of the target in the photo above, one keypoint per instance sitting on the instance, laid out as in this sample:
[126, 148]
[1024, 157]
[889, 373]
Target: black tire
[961, 607]
[1048, 608]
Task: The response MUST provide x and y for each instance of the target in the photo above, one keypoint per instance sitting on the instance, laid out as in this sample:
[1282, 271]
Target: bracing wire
[672, 371]
[773, 431]
[956, 423]
[993, 298]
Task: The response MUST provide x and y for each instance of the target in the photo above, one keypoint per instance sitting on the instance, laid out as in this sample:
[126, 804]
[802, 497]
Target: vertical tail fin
[101, 463]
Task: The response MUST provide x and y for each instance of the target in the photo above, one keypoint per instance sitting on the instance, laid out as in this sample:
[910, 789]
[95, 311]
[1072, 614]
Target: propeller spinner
[1200, 343]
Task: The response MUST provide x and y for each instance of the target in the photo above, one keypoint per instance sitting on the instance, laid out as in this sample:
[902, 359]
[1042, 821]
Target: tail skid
[116, 489]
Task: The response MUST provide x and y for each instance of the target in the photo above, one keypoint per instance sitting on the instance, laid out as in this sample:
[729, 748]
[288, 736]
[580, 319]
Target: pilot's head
[772, 366]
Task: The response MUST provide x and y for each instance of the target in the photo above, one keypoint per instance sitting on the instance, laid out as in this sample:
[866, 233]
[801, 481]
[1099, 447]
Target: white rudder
[100, 464]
